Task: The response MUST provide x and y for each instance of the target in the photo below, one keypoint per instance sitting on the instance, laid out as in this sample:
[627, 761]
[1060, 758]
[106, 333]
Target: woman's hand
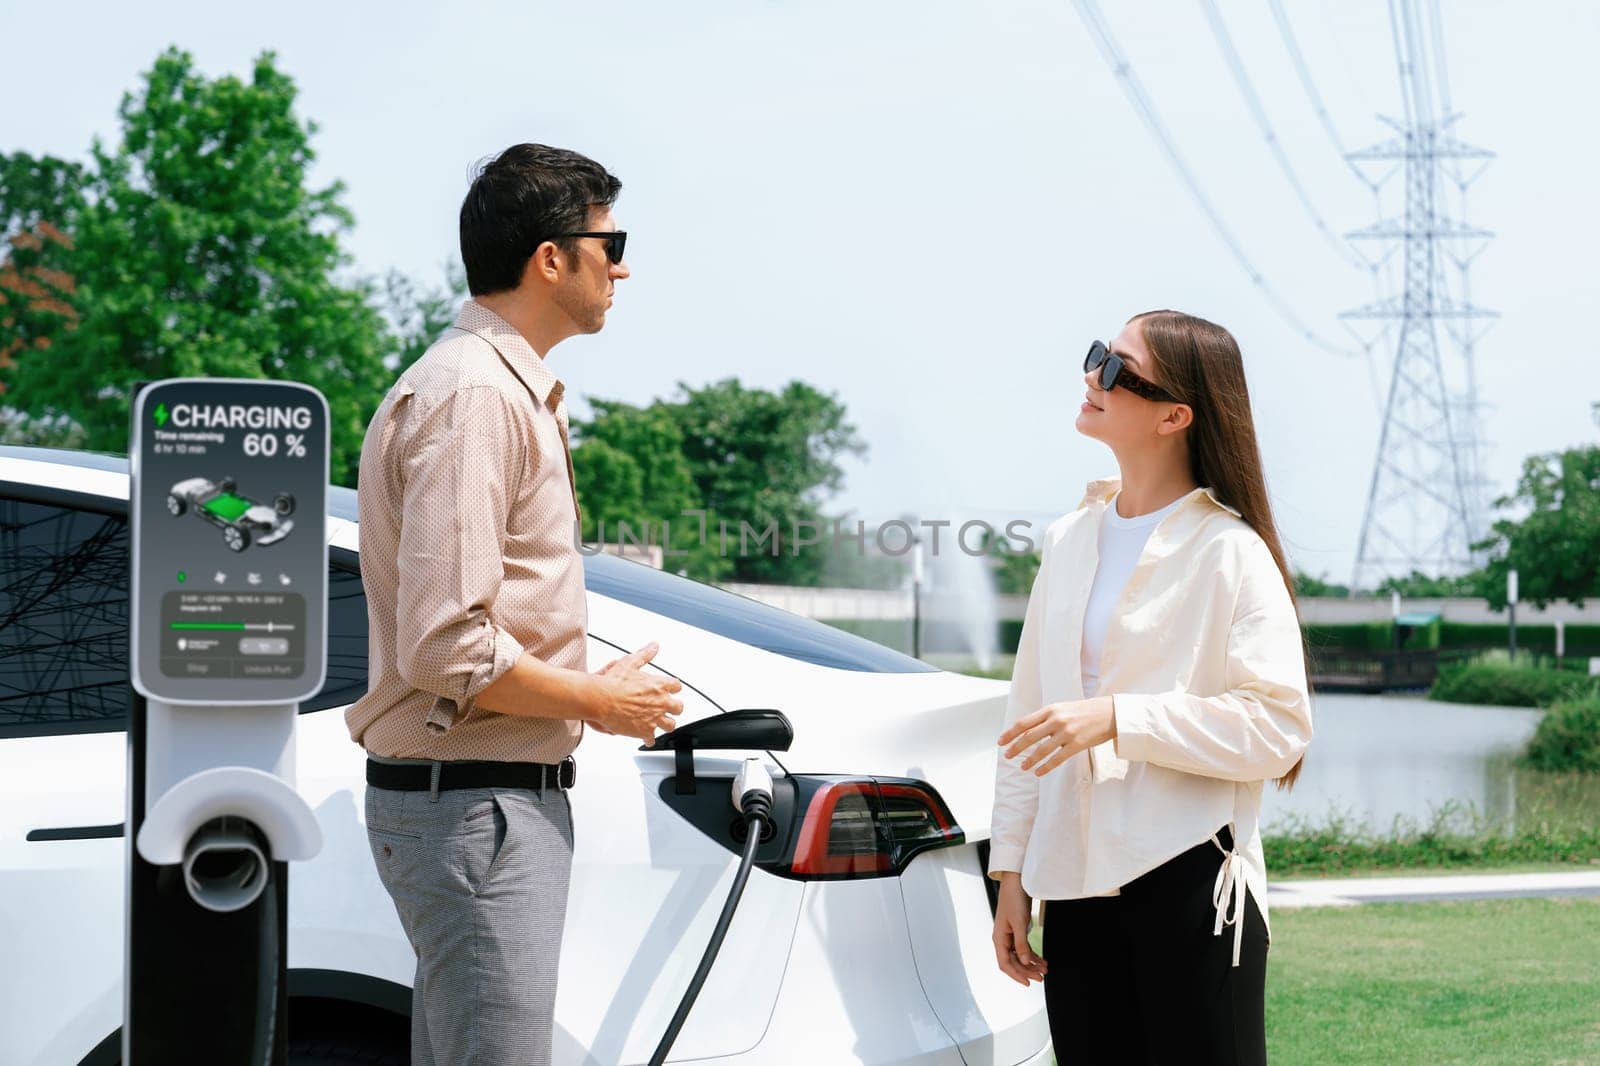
[1011, 919]
[1055, 733]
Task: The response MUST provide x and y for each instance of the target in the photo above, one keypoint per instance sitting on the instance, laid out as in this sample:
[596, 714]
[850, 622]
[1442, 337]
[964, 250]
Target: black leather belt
[443, 776]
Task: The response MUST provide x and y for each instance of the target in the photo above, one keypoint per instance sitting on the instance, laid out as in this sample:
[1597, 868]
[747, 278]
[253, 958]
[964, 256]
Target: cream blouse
[1204, 664]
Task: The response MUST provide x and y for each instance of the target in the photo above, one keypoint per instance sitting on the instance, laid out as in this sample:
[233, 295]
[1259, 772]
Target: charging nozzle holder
[751, 729]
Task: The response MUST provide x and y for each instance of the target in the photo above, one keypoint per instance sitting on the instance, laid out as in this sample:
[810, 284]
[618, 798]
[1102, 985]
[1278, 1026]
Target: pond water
[1375, 759]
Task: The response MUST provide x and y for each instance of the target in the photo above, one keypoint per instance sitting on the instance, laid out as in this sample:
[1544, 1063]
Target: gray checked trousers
[479, 877]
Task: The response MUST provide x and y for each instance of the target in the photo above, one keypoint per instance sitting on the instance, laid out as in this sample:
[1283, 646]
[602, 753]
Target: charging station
[229, 600]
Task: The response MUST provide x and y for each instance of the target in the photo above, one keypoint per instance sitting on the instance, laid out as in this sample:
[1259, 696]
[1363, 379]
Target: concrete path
[1346, 892]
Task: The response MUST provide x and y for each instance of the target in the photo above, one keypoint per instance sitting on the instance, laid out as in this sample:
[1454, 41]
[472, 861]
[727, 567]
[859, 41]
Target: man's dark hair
[521, 198]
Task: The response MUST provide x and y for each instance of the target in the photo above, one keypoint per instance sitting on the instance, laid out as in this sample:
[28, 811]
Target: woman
[1160, 680]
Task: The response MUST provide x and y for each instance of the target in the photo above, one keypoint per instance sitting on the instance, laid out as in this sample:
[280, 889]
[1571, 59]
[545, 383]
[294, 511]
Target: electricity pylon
[1425, 504]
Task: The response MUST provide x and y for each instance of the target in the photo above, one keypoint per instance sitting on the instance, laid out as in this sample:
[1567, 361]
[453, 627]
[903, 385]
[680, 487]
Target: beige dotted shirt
[468, 510]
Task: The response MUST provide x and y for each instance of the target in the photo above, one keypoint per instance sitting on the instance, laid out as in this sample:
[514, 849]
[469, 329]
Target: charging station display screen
[229, 498]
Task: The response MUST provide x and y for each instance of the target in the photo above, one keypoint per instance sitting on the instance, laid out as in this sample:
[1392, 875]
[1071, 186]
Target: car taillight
[855, 827]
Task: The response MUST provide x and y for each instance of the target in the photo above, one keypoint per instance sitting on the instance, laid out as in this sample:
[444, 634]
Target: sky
[929, 208]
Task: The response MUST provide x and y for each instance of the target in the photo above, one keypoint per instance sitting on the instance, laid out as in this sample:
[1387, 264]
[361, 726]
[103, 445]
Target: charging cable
[752, 795]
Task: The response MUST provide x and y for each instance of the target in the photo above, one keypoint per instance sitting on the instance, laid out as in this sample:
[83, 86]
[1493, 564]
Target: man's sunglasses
[1114, 371]
[616, 240]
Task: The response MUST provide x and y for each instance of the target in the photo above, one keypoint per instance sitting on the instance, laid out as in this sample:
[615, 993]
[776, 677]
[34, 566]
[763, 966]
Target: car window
[64, 622]
[347, 634]
[63, 619]
[703, 606]
[740, 618]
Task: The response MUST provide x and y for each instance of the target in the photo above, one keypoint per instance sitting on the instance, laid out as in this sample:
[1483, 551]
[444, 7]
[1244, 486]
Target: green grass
[1483, 982]
[1512, 981]
[1557, 823]
[1473, 870]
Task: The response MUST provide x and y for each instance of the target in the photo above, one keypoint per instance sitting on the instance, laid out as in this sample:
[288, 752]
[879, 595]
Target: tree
[767, 459]
[746, 457]
[419, 315]
[630, 467]
[1417, 585]
[1015, 571]
[1308, 585]
[199, 250]
[1555, 547]
[36, 292]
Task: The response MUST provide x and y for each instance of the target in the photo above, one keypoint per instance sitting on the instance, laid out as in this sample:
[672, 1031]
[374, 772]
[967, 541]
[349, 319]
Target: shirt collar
[1102, 489]
[514, 349]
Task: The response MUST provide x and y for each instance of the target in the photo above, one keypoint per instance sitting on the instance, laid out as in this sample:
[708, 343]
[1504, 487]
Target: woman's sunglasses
[1114, 371]
[616, 240]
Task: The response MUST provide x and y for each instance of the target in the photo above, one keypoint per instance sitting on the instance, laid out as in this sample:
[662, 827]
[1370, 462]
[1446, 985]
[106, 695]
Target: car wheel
[238, 539]
[321, 1050]
[283, 504]
[175, 505]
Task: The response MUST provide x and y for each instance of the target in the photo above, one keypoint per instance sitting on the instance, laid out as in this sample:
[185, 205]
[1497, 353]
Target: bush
[1506, 684]
[1582, 639]
[1568, 737]
[1352, 636]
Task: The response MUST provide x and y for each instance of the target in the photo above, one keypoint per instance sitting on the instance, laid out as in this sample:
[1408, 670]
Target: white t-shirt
[1120, 542]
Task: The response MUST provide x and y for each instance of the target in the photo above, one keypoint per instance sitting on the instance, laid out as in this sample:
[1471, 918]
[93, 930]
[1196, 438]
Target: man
[478, 683]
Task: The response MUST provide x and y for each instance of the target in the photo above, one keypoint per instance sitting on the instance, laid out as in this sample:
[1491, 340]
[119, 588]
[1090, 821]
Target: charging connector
[752, 792]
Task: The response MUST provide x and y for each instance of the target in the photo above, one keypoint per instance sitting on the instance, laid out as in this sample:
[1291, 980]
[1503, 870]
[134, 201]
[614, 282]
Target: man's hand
[1011, 920]
[1055, 733]
[634, 703]
[608, 668]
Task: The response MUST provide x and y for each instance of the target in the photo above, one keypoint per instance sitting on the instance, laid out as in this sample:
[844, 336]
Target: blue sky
[929, 208]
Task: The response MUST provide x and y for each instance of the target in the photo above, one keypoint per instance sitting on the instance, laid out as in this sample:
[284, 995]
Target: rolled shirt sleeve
[1016, 791]
[461, 467]
[1260, 726]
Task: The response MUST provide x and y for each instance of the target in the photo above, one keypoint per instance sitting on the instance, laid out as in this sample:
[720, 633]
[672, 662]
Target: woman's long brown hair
[1199, 362]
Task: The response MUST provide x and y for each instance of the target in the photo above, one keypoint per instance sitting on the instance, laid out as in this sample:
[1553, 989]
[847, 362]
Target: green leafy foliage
[1506, 684]
[1568, 737]
[1557, 820]
[1350, 636]
[36, 288]
[198, 249]
[1582, 639]
[1307, 585]
[419, 314]
[1417, 585]
[635, 485]
[745, 456]
[1555, 547]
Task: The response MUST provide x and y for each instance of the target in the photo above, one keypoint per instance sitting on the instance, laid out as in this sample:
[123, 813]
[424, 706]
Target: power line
[1122, 69]
[1252, 101]
[1292, 46]
[1302, 70]
[1441, 72]
[1308, 83]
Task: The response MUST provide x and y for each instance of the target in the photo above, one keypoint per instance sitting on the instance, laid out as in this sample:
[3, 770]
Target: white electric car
[862, 937]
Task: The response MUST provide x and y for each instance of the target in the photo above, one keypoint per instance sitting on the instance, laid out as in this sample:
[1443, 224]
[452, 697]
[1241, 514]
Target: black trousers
[1140, 978]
